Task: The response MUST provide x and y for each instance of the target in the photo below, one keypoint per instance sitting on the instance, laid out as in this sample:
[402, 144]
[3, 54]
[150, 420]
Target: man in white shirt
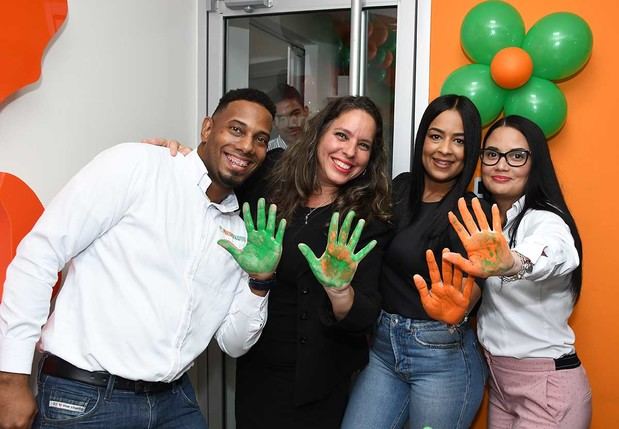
[147, 284]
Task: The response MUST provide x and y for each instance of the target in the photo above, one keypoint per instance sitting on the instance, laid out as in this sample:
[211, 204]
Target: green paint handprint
[337, 265]
[260, 256]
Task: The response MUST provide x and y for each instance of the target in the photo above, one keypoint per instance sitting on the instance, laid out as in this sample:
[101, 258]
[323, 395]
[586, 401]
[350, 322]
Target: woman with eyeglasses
[534, 270]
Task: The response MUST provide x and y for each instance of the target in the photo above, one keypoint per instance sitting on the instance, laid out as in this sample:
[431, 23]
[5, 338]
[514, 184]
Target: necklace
[312, 210]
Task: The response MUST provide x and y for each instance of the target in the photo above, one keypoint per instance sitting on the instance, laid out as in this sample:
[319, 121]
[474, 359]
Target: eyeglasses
[514, 157]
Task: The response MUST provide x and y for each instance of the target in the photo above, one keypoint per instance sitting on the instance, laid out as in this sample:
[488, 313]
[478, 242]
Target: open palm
[263, 250]
[338, 264]
[450, 297]
[487, 249]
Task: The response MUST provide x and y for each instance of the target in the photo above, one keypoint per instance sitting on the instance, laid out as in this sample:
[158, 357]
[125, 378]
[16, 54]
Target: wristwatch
[525, 268]
[264, 285]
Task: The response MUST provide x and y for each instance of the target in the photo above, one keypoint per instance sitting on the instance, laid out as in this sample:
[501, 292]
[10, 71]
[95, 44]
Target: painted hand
[337, 265]
[173, 145]
[487, 249]
[449, 299]
[260, 256]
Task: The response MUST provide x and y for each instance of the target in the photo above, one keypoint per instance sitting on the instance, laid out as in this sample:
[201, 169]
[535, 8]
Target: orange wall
[586, 155]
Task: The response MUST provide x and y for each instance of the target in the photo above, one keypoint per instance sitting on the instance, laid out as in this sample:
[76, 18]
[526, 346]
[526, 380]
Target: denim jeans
[70, 404]
[420, 371]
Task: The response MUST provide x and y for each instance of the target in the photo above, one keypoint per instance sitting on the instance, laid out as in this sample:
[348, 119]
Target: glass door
[317, 49]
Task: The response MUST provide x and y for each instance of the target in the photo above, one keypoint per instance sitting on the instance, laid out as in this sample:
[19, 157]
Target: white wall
[119, 70]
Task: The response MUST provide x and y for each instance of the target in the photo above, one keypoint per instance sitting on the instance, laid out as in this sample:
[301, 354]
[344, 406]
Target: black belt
[57, 367]
[567, 362]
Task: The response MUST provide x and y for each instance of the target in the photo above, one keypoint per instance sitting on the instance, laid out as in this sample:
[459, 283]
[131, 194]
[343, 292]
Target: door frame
[411, 98]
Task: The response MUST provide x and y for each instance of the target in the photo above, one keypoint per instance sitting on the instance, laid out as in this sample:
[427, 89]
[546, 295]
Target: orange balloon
[388, 60]
[19, 210]
[390, 79]
[370, 29]
[511, 68]
[372, 49]
[380, 33]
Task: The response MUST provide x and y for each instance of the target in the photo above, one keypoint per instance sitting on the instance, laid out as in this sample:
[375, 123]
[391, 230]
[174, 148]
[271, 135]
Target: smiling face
[289, 119]
[234, 144]
[344, 149]
[504, 182]
[443, 149]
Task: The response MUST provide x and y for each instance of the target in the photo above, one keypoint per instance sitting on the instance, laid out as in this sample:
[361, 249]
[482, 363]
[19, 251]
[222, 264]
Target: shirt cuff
[533, 251]
[16, 355]
[249, 303]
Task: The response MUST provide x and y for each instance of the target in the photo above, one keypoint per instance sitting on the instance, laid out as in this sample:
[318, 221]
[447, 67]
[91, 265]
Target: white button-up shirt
[277, 143]
[528, 318]
[147, 285]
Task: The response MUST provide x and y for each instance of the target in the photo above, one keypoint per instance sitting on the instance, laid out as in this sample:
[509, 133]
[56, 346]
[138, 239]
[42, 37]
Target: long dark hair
[294, 178]
[542, 190]
[472, 137]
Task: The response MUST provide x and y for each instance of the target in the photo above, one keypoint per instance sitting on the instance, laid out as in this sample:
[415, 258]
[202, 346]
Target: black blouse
[405, 255]
[301, 334]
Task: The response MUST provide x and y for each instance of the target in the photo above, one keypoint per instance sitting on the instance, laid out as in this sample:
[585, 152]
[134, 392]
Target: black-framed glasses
[514, 157]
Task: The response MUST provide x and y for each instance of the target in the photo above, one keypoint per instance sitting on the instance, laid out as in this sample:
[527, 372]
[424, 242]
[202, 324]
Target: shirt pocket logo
[236, 239]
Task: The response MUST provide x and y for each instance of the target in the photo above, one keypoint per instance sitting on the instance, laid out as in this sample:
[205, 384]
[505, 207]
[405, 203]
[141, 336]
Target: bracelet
[264, 285]
[525, 268]
[452, 328]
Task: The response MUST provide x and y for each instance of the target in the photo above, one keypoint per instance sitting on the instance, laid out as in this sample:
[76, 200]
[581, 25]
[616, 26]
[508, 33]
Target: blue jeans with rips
[70, 404]
[420, 371]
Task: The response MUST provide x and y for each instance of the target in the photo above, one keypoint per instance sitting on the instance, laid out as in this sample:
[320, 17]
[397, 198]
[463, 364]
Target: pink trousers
[530, 393]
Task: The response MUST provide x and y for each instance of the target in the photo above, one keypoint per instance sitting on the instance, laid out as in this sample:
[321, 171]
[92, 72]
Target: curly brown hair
[294, 178]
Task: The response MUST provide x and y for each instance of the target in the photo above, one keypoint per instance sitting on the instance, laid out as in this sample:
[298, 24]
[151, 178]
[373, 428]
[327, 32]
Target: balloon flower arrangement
[515, 72]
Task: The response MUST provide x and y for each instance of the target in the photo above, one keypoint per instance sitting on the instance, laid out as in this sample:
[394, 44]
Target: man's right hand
[17, 404]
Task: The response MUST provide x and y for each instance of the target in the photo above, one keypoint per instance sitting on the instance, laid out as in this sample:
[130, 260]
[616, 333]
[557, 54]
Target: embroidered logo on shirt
[231, 235]
[67, 406]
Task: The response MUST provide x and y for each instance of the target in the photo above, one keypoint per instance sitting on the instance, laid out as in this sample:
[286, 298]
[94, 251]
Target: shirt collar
[199, 174]
[514, 211]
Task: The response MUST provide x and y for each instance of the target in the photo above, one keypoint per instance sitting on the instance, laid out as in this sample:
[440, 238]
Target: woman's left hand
[337, 265]
[487, 249]
[450, 297]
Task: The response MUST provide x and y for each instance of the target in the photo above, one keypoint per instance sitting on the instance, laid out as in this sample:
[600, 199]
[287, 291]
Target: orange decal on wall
[26, 28]
[19, 210]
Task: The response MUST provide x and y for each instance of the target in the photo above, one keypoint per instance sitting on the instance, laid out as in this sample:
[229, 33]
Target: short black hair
[247, 94]
[283, 91]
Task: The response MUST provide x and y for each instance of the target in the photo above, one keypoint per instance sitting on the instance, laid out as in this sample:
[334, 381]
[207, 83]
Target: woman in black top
[298, 374]
[422, 370]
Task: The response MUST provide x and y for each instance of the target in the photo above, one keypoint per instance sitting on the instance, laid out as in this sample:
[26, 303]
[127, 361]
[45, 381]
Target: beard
[231, 180]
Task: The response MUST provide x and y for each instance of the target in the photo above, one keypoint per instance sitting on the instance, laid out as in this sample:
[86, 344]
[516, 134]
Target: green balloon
[377, 74]
[381, 53]
[541, 101]
[391, 40]
[489, 27]
[475, 82]
[559, 45]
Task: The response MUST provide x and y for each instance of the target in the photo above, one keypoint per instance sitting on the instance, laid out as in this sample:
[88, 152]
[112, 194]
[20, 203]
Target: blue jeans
[70, 404]
[419, 371]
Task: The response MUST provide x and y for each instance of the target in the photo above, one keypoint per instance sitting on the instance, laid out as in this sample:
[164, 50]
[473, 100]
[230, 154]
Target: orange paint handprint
[448, 300]
[338, 264]
[487, 249]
